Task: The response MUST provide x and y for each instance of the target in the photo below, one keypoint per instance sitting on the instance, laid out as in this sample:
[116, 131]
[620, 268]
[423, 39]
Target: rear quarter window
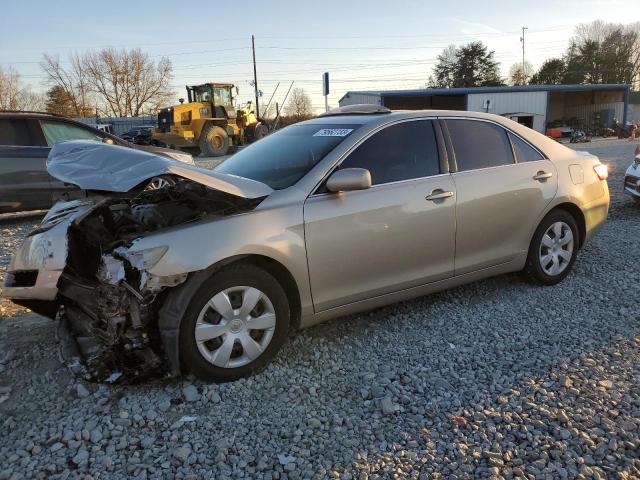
[523, 151]
[20, 132]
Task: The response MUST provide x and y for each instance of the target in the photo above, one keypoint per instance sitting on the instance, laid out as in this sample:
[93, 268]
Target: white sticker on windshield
[333, 132]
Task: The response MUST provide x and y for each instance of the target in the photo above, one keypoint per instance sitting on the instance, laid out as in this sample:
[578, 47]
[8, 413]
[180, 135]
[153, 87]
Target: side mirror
[349, 179]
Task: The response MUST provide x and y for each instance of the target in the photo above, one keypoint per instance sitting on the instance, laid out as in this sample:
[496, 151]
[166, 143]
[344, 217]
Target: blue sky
[370, 44]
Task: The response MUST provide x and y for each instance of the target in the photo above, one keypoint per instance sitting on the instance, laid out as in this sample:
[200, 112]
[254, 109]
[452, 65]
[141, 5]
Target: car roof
[30, 114]
[550, 147]
[391, 115]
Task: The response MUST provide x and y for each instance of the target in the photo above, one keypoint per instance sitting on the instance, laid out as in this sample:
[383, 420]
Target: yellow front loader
[208, 123]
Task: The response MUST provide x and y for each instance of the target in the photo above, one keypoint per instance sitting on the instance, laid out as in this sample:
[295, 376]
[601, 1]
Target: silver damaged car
[350, 211]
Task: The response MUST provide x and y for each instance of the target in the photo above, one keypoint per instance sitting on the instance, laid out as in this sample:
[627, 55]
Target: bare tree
[517, 77]
[72, 79]
[15, 96]
[128, 82]
[118, 82]
[9, 89]
[299, 106]
[30, 100]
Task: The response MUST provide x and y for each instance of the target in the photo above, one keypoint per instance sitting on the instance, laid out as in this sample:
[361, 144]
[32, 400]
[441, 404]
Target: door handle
[541, 176]
[438, 194]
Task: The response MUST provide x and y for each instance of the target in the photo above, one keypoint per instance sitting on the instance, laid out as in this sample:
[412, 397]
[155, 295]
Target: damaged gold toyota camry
[356, 209]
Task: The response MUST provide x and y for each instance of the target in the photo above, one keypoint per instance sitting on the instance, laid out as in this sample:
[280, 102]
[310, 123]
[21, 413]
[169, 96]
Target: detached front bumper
[37, 265]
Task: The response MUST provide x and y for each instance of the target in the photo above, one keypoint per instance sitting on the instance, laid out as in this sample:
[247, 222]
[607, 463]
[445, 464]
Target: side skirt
[410, 293]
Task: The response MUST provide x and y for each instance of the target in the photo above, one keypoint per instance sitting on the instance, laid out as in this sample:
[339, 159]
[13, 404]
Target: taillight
[602, 171]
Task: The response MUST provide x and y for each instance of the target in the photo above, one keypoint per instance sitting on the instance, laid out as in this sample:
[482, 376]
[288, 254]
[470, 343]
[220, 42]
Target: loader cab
[218, 94]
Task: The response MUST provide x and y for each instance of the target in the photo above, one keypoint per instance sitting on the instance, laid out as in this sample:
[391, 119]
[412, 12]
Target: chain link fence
[120, 125]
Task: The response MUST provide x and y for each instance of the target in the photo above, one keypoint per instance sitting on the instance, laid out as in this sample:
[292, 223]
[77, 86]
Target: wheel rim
[556, 248]
[217, 142]
[235, 327]
[157, 183]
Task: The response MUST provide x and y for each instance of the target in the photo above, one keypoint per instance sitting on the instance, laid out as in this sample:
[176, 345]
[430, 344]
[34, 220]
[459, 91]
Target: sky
[364, 45]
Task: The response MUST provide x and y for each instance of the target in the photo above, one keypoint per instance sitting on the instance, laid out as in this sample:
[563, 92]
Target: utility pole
[255, 74]
[524, 75]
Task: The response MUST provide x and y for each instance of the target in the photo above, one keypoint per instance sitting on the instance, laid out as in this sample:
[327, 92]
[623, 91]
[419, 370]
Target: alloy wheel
[157, 183]
[217, 142]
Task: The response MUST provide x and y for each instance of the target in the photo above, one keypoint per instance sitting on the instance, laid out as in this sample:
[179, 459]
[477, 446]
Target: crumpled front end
[78, 267]
[36, 267]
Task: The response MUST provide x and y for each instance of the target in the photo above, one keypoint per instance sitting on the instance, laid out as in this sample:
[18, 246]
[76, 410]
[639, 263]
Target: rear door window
[479, 144]
[56, 132]
[19, 132]
[523, 151]
[399, 152]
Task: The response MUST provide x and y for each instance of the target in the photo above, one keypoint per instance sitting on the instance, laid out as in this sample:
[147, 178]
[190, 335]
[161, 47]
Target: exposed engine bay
[107, 301]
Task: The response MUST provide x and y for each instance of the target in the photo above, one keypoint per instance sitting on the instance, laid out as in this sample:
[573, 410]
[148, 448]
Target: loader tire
[214, 141]
[260, 131]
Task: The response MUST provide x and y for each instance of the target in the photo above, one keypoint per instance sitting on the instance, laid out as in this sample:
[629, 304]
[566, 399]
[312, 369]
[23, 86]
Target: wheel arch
[177, 300]
[577, 214]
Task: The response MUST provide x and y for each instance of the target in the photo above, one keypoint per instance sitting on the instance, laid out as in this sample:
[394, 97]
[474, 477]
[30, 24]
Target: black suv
[25, 141]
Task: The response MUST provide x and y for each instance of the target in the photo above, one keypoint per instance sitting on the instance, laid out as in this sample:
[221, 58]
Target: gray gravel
[497, 379]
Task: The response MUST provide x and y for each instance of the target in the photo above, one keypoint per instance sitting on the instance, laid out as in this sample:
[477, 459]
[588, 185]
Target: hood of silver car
[98, 166]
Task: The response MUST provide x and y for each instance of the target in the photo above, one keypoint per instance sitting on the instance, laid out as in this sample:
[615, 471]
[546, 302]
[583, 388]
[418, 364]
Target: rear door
[24, 181]
[503, 186]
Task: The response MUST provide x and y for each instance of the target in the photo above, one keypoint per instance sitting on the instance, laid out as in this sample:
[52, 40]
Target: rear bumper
[595, 213]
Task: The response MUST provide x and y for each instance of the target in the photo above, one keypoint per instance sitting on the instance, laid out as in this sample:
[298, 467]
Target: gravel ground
[496, 379]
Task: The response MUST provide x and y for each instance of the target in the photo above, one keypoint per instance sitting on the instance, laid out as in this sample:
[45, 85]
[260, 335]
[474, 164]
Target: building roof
[515, 88]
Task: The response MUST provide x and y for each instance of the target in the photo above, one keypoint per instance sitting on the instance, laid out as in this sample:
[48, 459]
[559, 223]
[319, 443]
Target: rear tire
[227, 348]
[553, 249]
[214, 141]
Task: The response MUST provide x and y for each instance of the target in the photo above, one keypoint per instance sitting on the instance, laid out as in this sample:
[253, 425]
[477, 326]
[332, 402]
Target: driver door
[366, 243]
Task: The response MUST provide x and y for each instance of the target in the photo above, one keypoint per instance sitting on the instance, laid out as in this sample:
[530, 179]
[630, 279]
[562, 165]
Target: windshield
[222, 96]
[281, 159]
[202, 94]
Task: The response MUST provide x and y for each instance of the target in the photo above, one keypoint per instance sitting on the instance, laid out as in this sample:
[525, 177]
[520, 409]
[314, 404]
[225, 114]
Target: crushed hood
[98, 166]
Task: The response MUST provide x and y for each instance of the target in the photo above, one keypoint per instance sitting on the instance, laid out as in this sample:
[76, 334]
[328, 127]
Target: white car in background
[632, 179]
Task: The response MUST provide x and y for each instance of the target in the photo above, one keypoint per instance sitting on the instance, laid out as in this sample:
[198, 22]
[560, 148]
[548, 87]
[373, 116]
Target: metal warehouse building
[536, 106]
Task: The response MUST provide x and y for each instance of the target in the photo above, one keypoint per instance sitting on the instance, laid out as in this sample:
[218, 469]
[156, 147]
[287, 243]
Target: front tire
[260, 131]
[214, 141]
[553, 249]
[236, 323]
[160, 182]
